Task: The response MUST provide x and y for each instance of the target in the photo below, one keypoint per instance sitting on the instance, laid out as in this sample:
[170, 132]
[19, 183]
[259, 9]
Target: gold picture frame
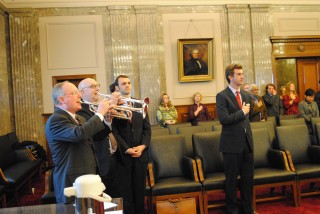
[195, 59]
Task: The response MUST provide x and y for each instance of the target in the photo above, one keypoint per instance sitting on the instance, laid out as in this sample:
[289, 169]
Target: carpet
[309, 205]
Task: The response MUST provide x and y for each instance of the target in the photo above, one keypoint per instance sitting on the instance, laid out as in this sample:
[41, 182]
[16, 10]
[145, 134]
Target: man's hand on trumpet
[116, 98]
[105, 106]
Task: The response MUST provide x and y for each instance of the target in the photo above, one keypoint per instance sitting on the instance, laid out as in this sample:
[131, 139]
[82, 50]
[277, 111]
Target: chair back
[188, 132]
[289, 116]
[206, 147]
[209, 122]
[317, 133]
[262, 145]
[166, 154]
[173, 127]
[296, 140]
[272, 119]
[314, 121]
[217, 128]
[270, 126]
[153, 127]
[292, 122]
[159, 132]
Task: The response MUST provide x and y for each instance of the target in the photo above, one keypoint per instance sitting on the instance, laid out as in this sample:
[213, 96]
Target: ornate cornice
[96, 3]
[294, 39]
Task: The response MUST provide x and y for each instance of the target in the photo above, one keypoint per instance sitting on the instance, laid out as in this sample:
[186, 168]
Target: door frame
[293, 47]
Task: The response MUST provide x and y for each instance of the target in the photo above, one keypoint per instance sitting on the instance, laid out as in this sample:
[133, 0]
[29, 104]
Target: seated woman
[198, 111]
[166, 113]
[290, 99]
[259, 110]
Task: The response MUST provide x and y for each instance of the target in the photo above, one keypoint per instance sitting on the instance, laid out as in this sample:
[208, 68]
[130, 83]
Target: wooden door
[308, 75]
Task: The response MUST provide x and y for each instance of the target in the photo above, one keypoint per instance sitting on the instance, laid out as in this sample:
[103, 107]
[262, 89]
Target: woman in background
[282, 91]
[290, 99]
[166, 113]
[198, 111]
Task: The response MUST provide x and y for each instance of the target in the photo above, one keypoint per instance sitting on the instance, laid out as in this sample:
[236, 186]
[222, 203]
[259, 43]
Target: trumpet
[119, 113]
[128, 101]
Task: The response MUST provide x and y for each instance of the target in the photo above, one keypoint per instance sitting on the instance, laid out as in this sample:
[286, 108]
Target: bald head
[89, 89]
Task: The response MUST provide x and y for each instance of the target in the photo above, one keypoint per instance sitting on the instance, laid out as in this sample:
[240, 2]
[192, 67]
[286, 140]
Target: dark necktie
[78, 120]
[238, 99]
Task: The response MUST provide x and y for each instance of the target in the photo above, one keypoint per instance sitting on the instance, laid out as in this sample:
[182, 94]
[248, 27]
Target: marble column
[124, 44]
[261, 45]
[150, 57]
[239, 23]
[6, 107]
[26, 77]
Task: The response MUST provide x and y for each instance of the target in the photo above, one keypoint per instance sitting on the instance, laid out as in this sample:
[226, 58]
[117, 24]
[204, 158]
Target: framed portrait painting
[195, 59]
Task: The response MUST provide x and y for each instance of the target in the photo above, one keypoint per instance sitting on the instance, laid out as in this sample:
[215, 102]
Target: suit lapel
[233, 98]
[60, 111]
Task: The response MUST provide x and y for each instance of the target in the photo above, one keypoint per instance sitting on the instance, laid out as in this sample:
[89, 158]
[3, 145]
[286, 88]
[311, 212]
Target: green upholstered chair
[271, 169]
[188, 132]
[302, 156]
[210, 167]
[172, 174]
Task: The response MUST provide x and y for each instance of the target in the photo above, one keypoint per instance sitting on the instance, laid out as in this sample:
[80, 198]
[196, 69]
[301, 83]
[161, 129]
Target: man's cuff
[244, 112]
[100, 116]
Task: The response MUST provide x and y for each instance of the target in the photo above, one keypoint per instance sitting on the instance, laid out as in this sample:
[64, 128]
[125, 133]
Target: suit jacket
[274, 104]
[236, 130]
[257, 113]
[192, 67]
[71, 149]
[100, 141]
[131, 134]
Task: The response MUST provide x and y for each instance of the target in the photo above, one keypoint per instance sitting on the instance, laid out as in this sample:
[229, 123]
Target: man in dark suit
[273, 102]
[104, 143]
[195, 66]
[133, 137]
[236, 141]
[69, 138]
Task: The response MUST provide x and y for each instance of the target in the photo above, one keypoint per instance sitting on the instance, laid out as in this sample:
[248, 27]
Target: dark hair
[230, 70]
[112, 87]
[309, 92]
[118, 77]
[270, 84]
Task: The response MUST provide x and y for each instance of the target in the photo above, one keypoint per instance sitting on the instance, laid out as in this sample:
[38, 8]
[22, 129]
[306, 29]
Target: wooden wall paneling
[183, 112]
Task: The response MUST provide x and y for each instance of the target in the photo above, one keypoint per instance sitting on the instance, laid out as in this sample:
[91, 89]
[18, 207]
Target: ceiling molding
[91, 3]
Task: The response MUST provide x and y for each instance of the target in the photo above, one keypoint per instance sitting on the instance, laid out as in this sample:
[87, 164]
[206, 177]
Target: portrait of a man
[195, 65]
[195, 59]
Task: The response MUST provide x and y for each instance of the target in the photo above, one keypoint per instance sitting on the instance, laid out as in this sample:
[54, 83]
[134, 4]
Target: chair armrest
[314, 153]
[278, 159]
[199, 167]
[151, 175]
[3, 178]
[190, 168]
[23, 155]
[290, 161]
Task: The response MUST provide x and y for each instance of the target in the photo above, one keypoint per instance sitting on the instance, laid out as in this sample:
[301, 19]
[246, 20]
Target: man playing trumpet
[70, 137]
[104, 141]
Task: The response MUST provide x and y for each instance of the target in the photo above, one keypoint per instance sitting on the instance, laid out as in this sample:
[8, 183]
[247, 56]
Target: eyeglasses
[72, 93]
[93, 86]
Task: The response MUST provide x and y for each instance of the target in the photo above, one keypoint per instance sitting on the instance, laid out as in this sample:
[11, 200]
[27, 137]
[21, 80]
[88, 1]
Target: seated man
[308, 108]
[70, 137]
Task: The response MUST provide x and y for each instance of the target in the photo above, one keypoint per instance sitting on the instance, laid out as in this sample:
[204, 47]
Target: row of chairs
[174, 172]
